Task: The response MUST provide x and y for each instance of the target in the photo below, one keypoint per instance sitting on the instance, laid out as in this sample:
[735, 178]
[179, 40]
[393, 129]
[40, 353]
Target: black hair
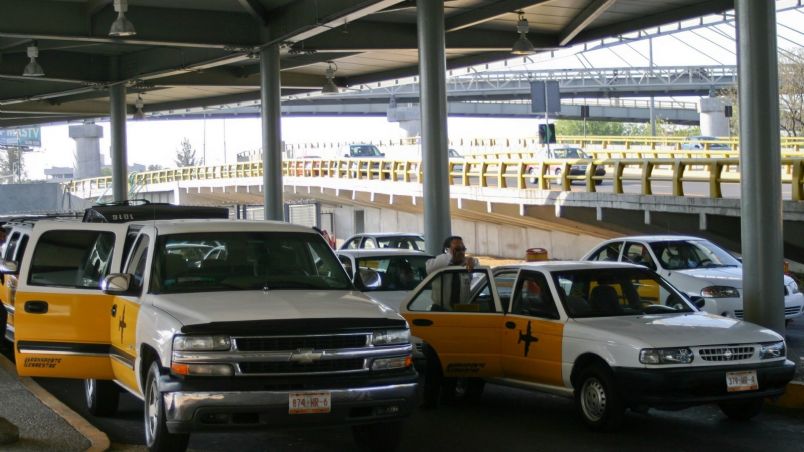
[448, 240]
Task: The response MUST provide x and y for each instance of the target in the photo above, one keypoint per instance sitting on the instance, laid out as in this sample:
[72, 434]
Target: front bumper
[682, 387]
[194, 408]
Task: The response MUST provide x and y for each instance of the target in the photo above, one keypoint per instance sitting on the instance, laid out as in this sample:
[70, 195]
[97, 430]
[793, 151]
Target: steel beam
[480, 14]
[583, 20]
[432, 64]
[271, 133]
[760, 157]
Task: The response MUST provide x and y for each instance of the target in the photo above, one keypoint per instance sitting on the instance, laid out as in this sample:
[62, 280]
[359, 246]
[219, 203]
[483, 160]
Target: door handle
[510, 325]
[422, 322]
[114, 310]
[36, 307]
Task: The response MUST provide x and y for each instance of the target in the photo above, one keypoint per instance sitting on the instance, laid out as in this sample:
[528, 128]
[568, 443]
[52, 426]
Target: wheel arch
[582, 362]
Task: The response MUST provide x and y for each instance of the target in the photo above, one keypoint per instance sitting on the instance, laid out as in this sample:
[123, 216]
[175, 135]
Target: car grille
[340, 365]
[793, 310]
[271, 344]
[726, 353]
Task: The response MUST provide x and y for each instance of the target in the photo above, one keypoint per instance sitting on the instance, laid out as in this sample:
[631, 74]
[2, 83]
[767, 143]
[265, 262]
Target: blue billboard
[21, 137]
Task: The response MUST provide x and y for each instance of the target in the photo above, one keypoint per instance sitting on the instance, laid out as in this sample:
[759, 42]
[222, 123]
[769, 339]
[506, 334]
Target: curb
[793, 397]
[98, 439]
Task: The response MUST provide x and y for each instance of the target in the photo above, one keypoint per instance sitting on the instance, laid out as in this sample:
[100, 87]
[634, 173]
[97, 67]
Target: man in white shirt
[453, 290]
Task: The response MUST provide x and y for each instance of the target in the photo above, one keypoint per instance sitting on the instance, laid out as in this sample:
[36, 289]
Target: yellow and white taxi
[611, 335]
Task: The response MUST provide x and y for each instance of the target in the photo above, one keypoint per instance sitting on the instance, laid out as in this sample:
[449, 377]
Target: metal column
[433, 99]
[117, 99]
[271, 133]
[652, 99]
[760, 160]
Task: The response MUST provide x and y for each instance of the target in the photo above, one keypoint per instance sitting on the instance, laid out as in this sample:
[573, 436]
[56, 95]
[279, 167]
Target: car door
[464, 330]
[61, 315]
[125, 314]
[533, 334]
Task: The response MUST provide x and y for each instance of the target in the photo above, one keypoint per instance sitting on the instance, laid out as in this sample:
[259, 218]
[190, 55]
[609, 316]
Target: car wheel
[742, 410]
[597, 400]
[157, 436]
[455, 390]
[3, 320]
[102, 397]
[380, 437]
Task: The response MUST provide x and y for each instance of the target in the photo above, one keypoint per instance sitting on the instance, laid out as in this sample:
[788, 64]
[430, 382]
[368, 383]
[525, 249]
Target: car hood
[208, 307]
[390, 298]
[677, 330]
[695, 279]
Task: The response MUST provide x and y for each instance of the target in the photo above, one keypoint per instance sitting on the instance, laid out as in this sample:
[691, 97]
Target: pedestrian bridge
[642, 191]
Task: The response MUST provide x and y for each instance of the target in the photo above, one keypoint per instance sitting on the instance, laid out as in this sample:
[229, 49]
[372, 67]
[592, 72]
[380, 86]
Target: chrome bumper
[190, 411]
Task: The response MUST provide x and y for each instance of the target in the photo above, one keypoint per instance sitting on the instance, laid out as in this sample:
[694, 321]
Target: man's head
[454, 246]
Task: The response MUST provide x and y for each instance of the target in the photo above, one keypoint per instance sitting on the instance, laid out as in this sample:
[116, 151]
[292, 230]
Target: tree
[791, 92]
[597, 128]
[185, 155]
[12, 164]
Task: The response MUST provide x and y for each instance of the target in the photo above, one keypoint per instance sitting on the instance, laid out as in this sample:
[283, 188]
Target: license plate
[742, 381]
[309, 402]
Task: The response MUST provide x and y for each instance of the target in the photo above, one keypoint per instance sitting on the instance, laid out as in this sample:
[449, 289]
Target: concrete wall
[481, 238]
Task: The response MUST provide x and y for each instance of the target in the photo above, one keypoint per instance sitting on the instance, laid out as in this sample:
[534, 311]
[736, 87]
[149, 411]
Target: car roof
[552, 266]
[215, 225]
[126, 211]
[381, 252]
[388, 234]
[656, 238]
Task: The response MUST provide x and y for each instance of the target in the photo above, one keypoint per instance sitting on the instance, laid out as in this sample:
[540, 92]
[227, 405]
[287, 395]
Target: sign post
[545, 97]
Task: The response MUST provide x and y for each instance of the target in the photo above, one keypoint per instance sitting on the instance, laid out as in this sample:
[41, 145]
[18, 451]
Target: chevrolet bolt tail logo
[305, 356]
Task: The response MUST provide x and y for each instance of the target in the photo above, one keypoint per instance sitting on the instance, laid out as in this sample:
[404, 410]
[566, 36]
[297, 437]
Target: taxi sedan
[612, 336]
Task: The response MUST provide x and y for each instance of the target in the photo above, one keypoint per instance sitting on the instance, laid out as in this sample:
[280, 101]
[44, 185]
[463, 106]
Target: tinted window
[637, 253]
[685, 254]
[533, 298]
[610, 252]
[78, 259]
[391, 273]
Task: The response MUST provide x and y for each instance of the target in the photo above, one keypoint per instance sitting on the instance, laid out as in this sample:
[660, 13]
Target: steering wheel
[705, 263]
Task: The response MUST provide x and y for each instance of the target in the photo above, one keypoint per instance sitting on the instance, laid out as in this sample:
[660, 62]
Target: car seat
[604, 299]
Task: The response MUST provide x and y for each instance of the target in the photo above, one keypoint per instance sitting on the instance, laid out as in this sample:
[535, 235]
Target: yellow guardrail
[632, 153]
[520, 174]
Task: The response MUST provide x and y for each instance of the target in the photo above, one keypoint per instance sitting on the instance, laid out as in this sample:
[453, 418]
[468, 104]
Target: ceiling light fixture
[329, 86]
[121, 27]
[139, 114]
[522, 46]
[33, 69]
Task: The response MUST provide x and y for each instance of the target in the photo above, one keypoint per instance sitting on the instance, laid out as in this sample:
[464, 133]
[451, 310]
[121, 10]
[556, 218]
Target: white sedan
[708, 274]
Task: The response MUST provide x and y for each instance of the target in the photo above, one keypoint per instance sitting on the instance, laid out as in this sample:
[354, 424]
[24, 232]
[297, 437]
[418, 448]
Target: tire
[597, 400]
[3, 320]
[157, 436]
[433, 379]
[456, 390]
[102, 397]
[742, 410]
[381, 437]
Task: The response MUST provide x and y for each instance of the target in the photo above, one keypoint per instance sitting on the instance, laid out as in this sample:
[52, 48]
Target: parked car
[707, 273]
[700, 142]
[455, 156]
[610, 335]
[385, 275]
[363, 151]
[561, 152]
[402, 240]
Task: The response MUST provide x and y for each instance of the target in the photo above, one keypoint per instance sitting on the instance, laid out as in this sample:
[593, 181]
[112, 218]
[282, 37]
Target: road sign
[539, 92]
[22, 137]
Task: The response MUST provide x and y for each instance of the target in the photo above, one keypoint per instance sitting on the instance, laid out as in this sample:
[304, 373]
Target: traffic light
[547, 133]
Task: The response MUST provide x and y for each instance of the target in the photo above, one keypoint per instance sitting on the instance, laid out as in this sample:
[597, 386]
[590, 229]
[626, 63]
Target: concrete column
[713, 117]
[433, 96]
[117, 97]
[760, 158]
[87, 150]
[408, 118]
[271, 133]
[652, 100]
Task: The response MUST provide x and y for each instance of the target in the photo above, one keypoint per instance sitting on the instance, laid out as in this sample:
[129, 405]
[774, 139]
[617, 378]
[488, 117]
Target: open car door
[61, 314]
[458, 315]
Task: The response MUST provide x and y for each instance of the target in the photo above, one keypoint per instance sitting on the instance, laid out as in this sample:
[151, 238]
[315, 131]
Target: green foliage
[185, 155]
[603, 128]
[12, 164]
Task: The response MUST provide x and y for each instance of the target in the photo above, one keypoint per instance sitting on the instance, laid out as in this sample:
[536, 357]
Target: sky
[156, 141]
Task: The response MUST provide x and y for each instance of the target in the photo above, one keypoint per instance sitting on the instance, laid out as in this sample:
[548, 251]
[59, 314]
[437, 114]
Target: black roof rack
[125, 211]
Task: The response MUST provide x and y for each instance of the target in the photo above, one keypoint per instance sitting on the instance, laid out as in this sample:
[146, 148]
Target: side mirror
[116, 284]
[9, 268]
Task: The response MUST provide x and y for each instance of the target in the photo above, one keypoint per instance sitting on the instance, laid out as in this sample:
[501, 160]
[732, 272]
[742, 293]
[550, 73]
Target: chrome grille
[726, 353]
[284, 343]
[339, 365]
[738, 313]
[793, 310]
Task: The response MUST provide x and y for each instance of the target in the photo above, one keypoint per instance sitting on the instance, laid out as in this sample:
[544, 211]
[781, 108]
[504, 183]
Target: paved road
[504, 419]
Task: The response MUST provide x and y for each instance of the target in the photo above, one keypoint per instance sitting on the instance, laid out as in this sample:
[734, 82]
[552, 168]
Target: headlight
[720, 292]
[391, 337]
[666, 356]
[201, 343]
[772, 350]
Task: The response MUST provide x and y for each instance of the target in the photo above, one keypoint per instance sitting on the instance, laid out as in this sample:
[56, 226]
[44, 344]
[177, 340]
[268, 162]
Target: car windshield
[245, 261]
[390, 273]
[405, 243]
[611, 292]
[569, 153]
[367, 150]
[687, 254]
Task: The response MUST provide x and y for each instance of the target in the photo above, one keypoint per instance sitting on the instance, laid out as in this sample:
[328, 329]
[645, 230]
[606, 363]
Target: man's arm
[440, 261]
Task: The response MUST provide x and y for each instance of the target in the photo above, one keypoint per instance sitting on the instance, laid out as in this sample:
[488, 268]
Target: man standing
[453, 287]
